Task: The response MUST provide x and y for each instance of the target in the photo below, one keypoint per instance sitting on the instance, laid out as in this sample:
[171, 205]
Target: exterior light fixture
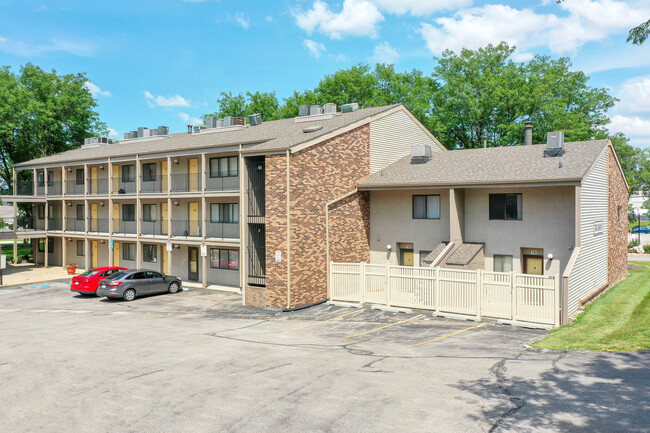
[101, 203]
[101, 167]
[550, 256]
[69, 204]
[389, 247]
[176, 203]
[176, 161]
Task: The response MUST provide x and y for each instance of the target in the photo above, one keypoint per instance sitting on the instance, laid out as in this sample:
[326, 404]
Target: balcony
[75, 225]
[122, 187]
[125, 227]
[55, 188]
[186, 228]
[155, 228]
[151, 186]
[186, 182]
[25, 187]
[98, 225]
[223, 230]
[25, 226]
[98, 186]
[54, 224]
[222, 183]
[74, 188]
[40, 190]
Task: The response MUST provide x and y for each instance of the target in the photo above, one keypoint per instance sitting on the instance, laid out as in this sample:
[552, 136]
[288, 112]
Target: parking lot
[199, 361]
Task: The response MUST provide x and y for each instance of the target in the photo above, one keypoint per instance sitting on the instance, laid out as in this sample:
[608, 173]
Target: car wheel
[173, 287]
[129, 295]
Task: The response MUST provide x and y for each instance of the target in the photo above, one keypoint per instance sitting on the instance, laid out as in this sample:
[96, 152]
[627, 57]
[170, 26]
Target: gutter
[327, 232]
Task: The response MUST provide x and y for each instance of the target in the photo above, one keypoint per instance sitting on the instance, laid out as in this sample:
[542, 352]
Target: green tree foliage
[635, 162]
[42, 113]
[266, 104]
[639, 34]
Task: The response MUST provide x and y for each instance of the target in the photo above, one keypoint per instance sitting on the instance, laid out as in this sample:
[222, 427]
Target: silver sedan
[137, 282]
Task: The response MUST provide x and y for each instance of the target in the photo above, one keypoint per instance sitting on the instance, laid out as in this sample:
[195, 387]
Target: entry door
[406, 257]
[116, 179]
[163, 175]
[193, 174]
[193, 264]
[93, 254]
[93, 180]
[163, 217]
[194, 219]
[116, 218]
[533, 265]
[116, 253]
[93, 217]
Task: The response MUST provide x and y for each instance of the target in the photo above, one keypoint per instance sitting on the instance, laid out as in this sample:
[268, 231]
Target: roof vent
[554, 144]
[420, 154]
[528, 133]
[348, 108]
[255, 119]
[312, 128]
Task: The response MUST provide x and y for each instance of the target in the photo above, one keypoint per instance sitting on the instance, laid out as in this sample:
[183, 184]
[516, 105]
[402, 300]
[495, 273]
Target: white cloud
[269, 18]
[241, 19]
[315, 48]
[95, 90]
[585, 21]
[357, 18]
[113, 132]
[77, 47]
[339, 58]
[637, 128]
[385, 53]
[634, 95]
[188, 119]
[419, 7]
[162, 101]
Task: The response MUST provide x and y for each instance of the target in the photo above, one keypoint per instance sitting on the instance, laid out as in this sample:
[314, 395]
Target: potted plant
[71, 268]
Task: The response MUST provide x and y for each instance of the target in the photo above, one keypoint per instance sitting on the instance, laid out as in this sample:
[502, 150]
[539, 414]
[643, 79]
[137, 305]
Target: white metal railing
[474, 293]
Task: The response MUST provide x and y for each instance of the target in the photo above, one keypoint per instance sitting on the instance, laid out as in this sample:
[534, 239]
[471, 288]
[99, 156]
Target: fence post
[556, 311]
[329, 280]
[388, 285]
[436, 289]
[479, 294]
[362, 282]
[513, 296]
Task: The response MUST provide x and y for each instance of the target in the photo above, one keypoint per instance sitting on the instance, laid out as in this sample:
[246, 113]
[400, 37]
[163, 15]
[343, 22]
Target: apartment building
[245, 207]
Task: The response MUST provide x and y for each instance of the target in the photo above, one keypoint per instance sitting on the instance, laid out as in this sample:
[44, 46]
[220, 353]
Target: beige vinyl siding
[590, 270]
[391, 138]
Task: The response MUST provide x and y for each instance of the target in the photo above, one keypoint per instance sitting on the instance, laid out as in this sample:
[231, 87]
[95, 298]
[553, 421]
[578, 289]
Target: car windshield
[116, 275]
[89, 273]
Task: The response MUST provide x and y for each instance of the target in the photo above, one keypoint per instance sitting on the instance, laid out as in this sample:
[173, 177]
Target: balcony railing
[6, 224]
[186, 182]
[27, 225]
[223, 230]
[98, 225]
[98, 186]
[153, 228]
[121, 187]
[40, 190]
[222, 183]
[186, 228]
[151, 186]
[75, 225]
[124, 227]
[54, 224]
[55, 188]
[25, 187]
[75, 188]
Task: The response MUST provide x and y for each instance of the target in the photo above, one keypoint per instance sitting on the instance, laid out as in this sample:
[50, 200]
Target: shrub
[632, 244]
[646, 248]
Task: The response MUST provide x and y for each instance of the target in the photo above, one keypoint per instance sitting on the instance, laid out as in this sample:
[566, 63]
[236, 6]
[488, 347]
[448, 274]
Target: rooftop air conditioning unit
[198, 128]
[420, 151]
[141, 130]
[255, 119]
[163, 130]
[329, 108]
[348, 108]
[210, 122]
[315, 109]
[303, 111]
[227, 121]
[238, 121]
[133, 134]
[554, 144]
[127, 135]
[219, 123]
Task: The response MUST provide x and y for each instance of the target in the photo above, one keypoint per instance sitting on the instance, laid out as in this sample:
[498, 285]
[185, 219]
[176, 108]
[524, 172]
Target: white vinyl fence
[501, 295]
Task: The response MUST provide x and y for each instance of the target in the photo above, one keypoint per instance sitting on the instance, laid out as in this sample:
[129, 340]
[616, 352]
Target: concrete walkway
[638, 257]
[27, 273]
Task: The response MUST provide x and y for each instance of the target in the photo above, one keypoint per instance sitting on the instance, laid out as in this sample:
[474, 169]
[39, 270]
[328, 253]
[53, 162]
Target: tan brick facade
[618, 200]
[318, 174]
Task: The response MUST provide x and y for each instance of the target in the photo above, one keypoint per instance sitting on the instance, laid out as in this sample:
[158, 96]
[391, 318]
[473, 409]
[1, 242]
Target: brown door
[533, 265]
[193, 264]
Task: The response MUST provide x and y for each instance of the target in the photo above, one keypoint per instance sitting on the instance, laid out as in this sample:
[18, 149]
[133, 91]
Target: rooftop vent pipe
[528, 133]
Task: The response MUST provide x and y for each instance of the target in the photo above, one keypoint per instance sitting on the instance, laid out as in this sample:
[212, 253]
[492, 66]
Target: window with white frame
[502, 263]
[426, 206]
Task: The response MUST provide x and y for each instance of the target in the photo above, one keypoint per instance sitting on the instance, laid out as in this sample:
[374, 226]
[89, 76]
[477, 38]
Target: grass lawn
[22, 250]
[634, 224]
[617, 321]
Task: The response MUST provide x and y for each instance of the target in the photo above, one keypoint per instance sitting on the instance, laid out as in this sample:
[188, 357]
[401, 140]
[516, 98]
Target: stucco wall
[391, 221]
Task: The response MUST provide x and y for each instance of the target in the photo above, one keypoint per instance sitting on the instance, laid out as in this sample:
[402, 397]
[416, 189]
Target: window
[50, 178]
[50, 212]
[80, 212]
[149, 212]
[80, 176]
[128, 212]
[505, 206]
[423, 255]
[151, 274]
[426, 207]
[81, 248]
[111, 272]
[149, 172]
[502, 263]
[50, 246]
[138, 276]
[41, 245]
[224, 213]
[41, 181]
[150, 253]
[224, 259]
[128, 252]
[41, 211]
[128, 173]
[224, 167]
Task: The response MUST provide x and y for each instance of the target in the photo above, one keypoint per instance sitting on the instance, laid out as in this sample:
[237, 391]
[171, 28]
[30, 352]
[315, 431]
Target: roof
[266, 137]
[491, 166]
[465, 253]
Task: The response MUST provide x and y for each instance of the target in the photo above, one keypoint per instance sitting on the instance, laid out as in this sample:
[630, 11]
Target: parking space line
[328, 320]
[450, 335]
[383, 327]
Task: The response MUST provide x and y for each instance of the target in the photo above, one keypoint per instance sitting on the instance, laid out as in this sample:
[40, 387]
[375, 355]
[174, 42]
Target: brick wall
[318, 175]
[618, 200]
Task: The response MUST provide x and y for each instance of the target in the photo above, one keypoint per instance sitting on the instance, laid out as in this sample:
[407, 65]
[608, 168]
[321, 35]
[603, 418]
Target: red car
[87, 283]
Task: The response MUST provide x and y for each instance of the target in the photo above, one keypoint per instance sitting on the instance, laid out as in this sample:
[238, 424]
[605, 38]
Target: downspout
[288, 240]
[327, 233]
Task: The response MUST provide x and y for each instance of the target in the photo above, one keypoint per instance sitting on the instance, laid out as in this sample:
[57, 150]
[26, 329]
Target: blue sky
[164, 62]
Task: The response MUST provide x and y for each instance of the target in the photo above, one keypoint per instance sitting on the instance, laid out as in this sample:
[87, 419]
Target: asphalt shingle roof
[268, 136]
[494, 165]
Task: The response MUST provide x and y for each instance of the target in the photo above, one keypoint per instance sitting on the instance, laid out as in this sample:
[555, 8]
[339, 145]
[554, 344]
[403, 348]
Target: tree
[639, 34]
[646, 204]
[266, 104]
[42, 113]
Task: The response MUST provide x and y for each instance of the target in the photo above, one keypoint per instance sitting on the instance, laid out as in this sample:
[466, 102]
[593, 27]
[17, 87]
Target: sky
[164, 62]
